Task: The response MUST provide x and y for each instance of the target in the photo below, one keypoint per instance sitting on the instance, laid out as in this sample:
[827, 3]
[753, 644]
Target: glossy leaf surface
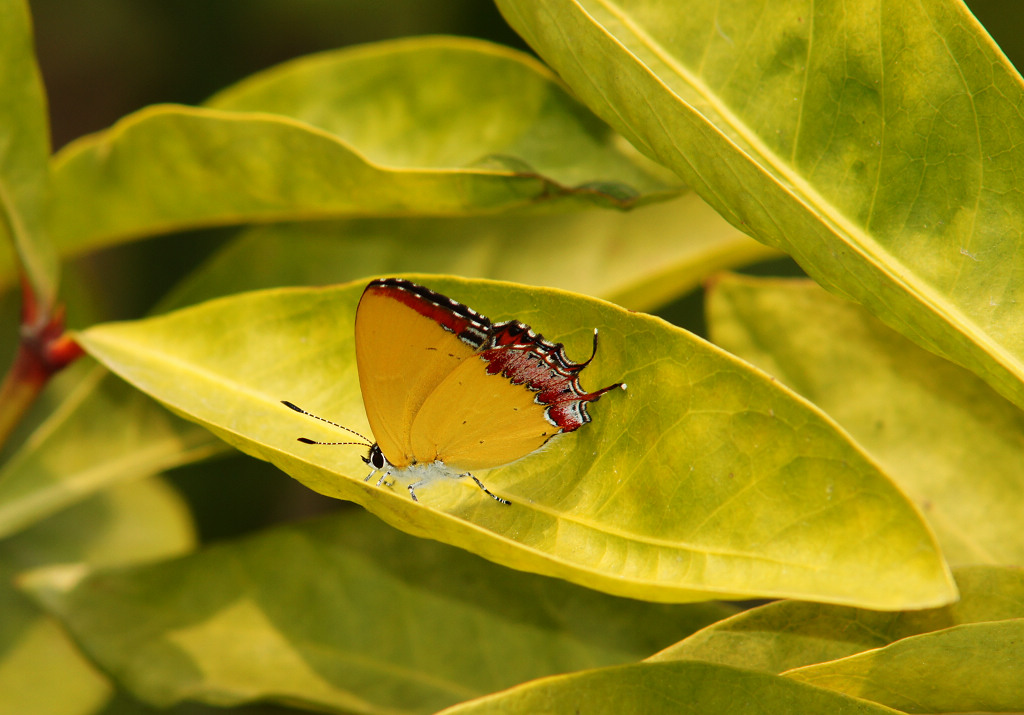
[450, 103]
[969, 668]
[704, 479]
[670, 688]
[168, 168]
[941, 433]
[782, 636]
[880, 148]
[106, 432]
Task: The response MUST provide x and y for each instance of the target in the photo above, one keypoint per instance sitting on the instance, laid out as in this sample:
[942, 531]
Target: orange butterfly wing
[403, 353]
[475, 420]
[441, 382]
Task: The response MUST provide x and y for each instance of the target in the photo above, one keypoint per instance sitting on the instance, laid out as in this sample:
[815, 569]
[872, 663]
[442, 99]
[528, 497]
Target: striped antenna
[306, 440]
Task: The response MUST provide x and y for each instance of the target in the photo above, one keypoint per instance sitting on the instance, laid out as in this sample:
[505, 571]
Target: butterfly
[447, 391]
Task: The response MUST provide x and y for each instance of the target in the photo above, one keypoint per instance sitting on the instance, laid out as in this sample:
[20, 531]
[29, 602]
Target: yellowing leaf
[671, 688]
[880, 147]
[969, 668]
[450, 103]
[105, 432]
[639, 258]
[417, 127]
[705, 479]
[787, 635]
[941, 433]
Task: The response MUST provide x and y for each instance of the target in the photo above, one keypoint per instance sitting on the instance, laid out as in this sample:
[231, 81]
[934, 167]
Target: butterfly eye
[376, 458]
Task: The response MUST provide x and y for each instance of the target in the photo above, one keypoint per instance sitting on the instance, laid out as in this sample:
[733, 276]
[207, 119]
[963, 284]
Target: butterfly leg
[384, 475]
[487, 491]
[412, 488]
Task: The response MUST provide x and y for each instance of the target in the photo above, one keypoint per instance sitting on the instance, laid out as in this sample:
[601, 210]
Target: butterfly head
[375, 458]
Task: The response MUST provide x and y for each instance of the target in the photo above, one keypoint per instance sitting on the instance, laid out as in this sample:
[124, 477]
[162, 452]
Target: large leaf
[705, 479]
[451, 103]
[169, 168]
[942, 434]
[24, 153]
[963, 657]
[968, 669]
[41, 671]
[880, 147]
[787, 635]
[640, 258]
[102, 434]
[347, 614]
[670, 688]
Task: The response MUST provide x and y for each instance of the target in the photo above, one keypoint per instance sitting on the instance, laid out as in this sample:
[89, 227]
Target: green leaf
[346, 614]
[785, 635]
[103, 433]
[169, 168]
[41, 671]
[705, 479]
[969, 668]
[943, 435]
[450, 103]
[639, 259]
[24, 153]
[671, 688]
[880, 148]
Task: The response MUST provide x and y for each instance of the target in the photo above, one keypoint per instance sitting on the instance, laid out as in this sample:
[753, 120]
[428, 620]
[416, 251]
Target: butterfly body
[448, 392]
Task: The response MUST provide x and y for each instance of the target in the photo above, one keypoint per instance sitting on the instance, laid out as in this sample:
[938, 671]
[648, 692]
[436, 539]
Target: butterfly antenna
[333, 424]
[593, 353]
[594, 395]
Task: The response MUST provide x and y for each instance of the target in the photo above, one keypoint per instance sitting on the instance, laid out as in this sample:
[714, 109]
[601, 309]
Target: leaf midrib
[843, 229]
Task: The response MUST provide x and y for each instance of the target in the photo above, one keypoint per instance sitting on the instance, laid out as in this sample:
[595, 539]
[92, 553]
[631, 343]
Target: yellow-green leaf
[949, 440]
[103, 433]
[964, 669]
[881, 147]
[705, 479]
[786, 635]
[41, 670]
[169, 168]
[670, 688]
[346, 614]
[24, 153]
[450, 103]
[639, 259]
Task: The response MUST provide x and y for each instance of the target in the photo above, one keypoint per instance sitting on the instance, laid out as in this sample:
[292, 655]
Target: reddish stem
[43, 350]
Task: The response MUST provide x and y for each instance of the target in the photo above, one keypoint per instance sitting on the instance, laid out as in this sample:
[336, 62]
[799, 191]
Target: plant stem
[44, 349]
